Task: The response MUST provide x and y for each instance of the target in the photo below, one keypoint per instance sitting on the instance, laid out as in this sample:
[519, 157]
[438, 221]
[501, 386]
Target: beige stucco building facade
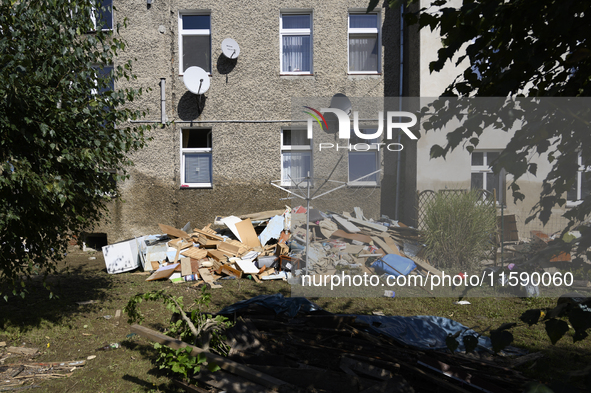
[217, 152]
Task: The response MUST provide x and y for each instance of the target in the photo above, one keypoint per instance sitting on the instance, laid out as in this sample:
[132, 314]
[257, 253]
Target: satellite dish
[196, 80]
[342, 102]
[230, 48]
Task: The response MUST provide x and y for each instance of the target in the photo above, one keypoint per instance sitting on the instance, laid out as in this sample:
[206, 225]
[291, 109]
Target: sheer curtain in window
[295, 165]
[363, 53]
[296, 53]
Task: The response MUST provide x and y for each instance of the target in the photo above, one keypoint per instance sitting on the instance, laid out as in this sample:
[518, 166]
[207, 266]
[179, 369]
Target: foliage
[518, 48]
[63, 130]
[196, 328]
[459, 228]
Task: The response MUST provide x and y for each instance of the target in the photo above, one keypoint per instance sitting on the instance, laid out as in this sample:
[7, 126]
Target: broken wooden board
[392, 244]
[186, 266]
[208, 278]
[228, 248]
[247, 233]
[229, 270]
[195, 253]
[198, 232]
[172, 231]
[175, 243]
[383, 245]
[263, 215]
[207, 242]
[372, 225]
[425, 265]
[351, 236]
[217, 255]
[345, 224]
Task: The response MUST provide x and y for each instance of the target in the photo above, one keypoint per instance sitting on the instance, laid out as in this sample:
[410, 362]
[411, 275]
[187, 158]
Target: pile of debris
[292, 345]
[272, 245]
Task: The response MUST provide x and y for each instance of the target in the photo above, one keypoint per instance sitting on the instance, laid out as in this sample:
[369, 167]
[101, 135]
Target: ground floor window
[196, 157]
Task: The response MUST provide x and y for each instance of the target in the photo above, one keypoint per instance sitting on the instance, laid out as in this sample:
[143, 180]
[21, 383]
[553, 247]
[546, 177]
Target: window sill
[363, 184]
[573, 203]
[282, 75]
[193, 185]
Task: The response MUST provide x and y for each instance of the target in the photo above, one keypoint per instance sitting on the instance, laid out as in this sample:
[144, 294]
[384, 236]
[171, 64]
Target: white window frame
[364, 31]
[290, 148]
[196, 32]
[578, 182]
[183, 151]
[484, 169]
[287, 32]
[93, 16]
[373, 146]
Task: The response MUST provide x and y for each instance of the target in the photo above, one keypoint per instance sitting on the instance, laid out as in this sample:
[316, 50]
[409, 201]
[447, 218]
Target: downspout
[399, 159]
[163, 101]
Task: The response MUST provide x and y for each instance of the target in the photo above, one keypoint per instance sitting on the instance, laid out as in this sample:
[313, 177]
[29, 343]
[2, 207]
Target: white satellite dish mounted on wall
[230, 48]
[342, 102]
[196, 80]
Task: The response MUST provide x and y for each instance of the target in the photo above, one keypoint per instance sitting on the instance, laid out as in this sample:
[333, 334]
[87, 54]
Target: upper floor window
[102, 15]
[582, 186]
[364, 43]
[483, 178]
[194, 41]
[296, 43]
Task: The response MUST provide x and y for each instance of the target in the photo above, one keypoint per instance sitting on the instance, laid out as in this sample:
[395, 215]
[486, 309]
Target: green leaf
[213, 367]
[556, 328]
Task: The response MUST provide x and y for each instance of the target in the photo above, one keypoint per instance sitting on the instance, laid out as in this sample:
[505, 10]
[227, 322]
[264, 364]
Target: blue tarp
[421, 332]
[392, 264]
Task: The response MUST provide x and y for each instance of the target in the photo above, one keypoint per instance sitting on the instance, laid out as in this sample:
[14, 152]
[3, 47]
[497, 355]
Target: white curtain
[296, 53]
[296, 165]
[363, 53]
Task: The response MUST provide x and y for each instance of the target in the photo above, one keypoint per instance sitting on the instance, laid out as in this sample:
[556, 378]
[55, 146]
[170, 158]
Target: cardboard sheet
[247, 233]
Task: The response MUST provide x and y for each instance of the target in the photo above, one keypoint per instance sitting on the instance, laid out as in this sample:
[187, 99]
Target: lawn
[64, 330]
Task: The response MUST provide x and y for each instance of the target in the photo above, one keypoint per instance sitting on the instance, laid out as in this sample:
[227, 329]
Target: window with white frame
[296, 157]
[196, 157]
[482, 176]
[194, 41]
[364, 43]
[102, 15]
[296, 43]
[582, 186]
[364, 159]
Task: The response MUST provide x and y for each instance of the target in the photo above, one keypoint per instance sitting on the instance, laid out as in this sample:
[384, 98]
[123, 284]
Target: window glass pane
[585, 184]
[196, 22]
[477, 158]
[355, 139]
[296, 21]
[363, 163]
[477, 181]
[196, 139]
[571, 195]
[105, 15]
[198, 168]
[360, 21]
[295, 138]
[490, 157]
[363, 53]
[196, 52]
[296, 165]
[296, 53]
[492, 182]
[106, 73]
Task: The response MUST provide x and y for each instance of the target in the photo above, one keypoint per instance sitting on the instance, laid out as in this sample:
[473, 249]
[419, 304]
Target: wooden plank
[217, 255]
[345, 224]
[425, 266]
[392, 244]
[369, 224]
[247, 233]
[230, 271]
[172, 231]
[351, 236]
[228, 248]
[186, 266]
[208, 278]
[163, 272]
[208, 234]
[383, 245]
[180, 242]
[195, 253]
[225, 364]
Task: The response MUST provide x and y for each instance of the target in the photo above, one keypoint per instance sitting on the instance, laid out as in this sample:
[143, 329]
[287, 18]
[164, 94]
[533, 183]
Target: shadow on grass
[69, 287]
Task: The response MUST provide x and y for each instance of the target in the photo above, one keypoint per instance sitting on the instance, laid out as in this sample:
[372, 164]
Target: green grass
[37, 321]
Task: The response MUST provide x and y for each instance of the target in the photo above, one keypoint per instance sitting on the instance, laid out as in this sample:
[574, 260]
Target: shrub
[460, 229]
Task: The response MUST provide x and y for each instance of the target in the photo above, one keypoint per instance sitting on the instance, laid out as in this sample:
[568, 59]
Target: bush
[460, 229]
